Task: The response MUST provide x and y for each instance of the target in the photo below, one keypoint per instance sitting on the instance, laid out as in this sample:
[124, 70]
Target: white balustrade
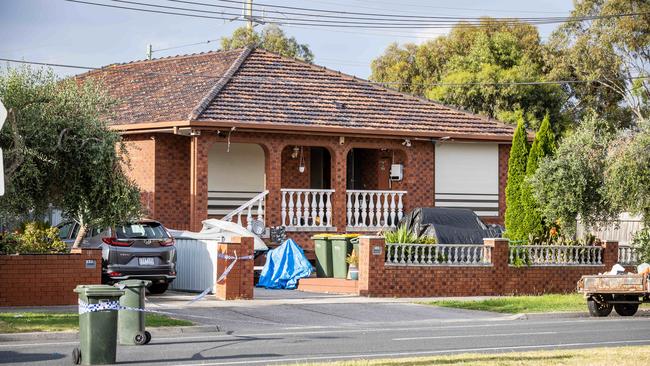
[555, 255]
[256, 203]
[627, 255]
[374, 210]
[306, 209]
[438, 254]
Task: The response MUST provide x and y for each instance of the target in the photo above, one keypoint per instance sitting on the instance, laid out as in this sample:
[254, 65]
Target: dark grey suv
[138, 250]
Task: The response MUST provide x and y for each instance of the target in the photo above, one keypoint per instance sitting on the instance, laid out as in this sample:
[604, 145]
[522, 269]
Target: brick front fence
[478, 272]
[47, 279]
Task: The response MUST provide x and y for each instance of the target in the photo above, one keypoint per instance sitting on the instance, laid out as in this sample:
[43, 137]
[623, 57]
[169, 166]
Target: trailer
[623, 293]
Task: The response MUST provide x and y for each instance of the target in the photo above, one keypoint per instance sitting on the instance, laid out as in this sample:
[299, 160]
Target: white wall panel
[467, 176]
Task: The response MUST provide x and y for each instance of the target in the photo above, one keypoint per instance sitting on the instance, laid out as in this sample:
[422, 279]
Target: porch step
[328, 285]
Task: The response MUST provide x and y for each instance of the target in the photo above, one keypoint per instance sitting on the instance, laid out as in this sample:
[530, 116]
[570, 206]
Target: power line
[113, 68]
[420, 6]
[357, 13]
[317, 13]
[341, 24]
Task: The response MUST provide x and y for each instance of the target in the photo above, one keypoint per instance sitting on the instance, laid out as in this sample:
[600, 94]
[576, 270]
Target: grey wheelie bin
[130, 323]
[97, 324]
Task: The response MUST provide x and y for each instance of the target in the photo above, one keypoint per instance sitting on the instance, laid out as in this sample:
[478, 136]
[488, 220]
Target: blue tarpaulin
[284, 266]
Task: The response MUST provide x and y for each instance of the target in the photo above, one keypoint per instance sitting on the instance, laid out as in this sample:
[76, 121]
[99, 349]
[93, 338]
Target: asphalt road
[253, 344]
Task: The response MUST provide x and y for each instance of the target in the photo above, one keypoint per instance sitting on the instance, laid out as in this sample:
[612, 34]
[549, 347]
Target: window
[64, 231]
[147, 230]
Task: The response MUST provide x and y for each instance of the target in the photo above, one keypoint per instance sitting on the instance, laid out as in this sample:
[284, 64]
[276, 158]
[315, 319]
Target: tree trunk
[83, 229]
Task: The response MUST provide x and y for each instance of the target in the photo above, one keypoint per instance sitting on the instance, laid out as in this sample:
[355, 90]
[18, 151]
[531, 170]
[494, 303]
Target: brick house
[249, 134]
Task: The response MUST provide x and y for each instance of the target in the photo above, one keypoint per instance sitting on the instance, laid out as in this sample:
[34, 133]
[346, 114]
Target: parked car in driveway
[139, 250]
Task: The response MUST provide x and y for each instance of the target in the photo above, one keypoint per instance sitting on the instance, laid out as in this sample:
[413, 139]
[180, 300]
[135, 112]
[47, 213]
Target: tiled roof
[259, 89]
[157, 90]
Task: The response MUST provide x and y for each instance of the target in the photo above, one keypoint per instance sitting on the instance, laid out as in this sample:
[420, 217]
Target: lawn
[51, 322]
[522, 304]
[619, 356]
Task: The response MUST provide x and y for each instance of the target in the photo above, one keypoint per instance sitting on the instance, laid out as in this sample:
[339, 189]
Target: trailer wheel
[598, 305]
[627, 309]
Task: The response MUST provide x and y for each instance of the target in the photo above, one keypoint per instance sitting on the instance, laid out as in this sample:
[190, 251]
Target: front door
[383, 174]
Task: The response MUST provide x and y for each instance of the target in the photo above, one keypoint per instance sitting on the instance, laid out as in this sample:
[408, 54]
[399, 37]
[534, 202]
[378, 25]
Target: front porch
[326, 188]
[306, 203]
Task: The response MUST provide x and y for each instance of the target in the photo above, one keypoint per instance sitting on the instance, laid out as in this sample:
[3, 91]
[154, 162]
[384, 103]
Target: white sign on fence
[3, 116]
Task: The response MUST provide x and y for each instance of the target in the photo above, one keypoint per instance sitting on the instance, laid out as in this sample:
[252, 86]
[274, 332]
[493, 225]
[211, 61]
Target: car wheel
[158, 288]
[598, 306]
[148, 336]
[627, 309]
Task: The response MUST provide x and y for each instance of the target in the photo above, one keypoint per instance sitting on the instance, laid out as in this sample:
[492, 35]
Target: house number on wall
[376, 250]
[91, 264]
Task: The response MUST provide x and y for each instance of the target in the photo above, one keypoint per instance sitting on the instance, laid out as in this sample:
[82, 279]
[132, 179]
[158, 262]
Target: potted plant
[353, 269]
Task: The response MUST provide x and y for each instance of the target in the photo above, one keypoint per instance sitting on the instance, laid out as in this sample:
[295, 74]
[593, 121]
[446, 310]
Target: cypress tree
[516, 174]
[543, 145]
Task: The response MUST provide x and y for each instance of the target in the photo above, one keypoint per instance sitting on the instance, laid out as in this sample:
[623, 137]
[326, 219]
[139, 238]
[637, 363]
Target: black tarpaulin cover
[447, 225]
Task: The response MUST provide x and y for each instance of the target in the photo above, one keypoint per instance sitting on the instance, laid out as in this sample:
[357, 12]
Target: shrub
[544, 145]
[403, 236]
[571, 183]
[516, 173]
[641, 242]
[34, 238]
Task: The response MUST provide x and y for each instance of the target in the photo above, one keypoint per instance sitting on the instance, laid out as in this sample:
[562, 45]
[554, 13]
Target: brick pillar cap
[371, 237]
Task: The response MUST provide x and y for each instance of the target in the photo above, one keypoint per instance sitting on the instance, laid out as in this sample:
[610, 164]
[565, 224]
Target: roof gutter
[284, 128]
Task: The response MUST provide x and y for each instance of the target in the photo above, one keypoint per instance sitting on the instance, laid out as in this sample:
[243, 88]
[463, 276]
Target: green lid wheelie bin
[97, 324]
[130, 323]
[323, 250]
[341, 248]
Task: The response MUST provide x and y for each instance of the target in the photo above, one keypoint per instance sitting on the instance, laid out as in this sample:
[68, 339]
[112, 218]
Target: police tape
[84, 308]
[115, 306]
[235, 258]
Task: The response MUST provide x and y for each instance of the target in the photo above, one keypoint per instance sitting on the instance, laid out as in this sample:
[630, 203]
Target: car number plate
[146, 261]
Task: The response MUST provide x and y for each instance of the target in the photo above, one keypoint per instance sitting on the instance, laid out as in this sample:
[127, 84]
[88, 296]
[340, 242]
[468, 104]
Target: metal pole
[149, 52]
[249, 14]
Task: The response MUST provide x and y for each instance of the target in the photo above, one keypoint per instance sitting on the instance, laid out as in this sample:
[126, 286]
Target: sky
[58, 31]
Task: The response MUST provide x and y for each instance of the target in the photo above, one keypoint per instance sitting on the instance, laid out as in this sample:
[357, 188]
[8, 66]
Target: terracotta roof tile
[256, 88]
[161, 90]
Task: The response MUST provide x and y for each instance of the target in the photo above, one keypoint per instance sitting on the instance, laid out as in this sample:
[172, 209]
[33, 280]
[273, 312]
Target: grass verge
[52, 322]
[620, 356]
[521, 304]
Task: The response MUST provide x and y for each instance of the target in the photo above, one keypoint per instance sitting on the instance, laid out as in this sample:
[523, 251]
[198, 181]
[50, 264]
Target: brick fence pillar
[372, 258]
[239, 282]
[499, 258]
[610, 254]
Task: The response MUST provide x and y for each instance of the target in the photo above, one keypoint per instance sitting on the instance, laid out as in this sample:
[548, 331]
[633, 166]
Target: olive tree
[571, 183]
[59, 151]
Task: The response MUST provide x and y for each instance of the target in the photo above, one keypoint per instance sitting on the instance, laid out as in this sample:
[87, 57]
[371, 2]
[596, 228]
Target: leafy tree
[59, 151]
[628, 172]
[543, 145]
[571, 183]
[479, 57]
[272, 39]
[516, 172]
[611, 49]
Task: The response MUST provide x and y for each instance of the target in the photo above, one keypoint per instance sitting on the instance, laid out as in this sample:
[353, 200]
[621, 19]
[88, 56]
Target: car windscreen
[141, 231]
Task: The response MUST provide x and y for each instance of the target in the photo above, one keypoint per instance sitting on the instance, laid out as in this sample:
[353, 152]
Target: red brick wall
[239, 282]
[172, 171]
[46, 279]
[378, 279]
[291, 176]
[141, 169]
